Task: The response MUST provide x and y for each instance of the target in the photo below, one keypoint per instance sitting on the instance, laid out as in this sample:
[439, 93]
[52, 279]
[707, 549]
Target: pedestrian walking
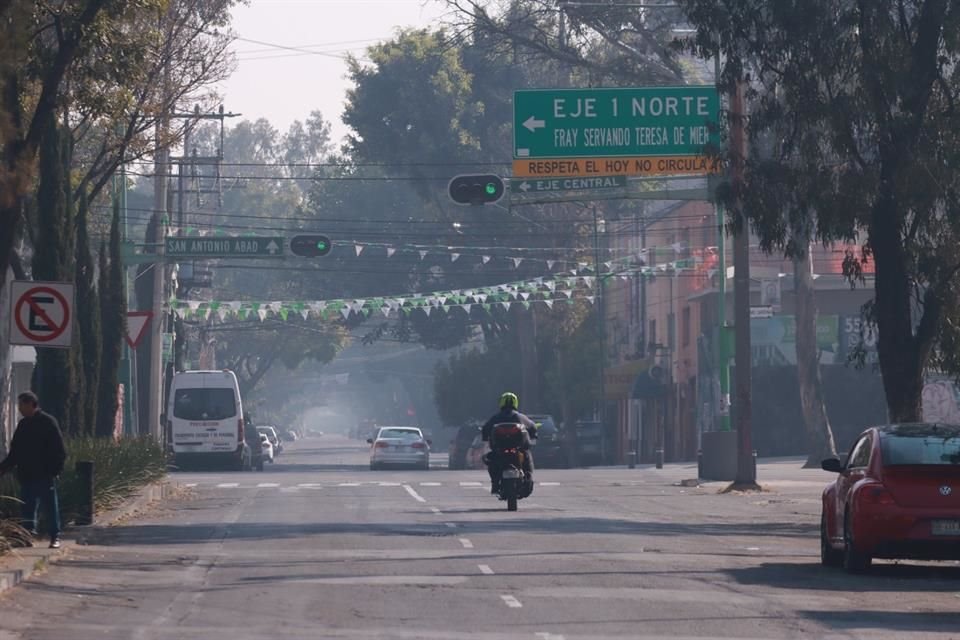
[38, 454]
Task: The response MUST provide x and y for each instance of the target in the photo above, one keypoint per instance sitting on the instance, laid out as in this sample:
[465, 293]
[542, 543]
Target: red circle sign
[55, 330]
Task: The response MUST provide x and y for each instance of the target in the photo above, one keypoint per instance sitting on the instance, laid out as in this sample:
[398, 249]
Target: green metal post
[723, 357]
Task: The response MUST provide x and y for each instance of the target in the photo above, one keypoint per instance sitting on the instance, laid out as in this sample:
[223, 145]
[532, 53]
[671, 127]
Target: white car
[266, 448]
[274, 438]
[399, 446]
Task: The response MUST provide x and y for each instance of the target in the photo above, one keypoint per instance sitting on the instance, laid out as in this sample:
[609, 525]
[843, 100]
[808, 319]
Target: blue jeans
[35, 492]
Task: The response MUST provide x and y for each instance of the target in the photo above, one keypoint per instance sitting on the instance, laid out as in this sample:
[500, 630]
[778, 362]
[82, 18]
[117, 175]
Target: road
[318, 546]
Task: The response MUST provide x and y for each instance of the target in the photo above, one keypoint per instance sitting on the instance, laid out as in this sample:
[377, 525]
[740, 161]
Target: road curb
[21, 564]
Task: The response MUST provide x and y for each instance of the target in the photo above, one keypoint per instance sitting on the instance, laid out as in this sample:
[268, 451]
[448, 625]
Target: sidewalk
[21, 564]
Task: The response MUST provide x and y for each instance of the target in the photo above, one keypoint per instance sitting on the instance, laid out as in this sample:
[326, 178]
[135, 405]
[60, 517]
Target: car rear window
[920, 449]
[402, 434]
[204, 404]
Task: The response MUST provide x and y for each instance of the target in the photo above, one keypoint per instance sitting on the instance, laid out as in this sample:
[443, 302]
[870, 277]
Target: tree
[90, 341]
[113, 309]
[866, 127]
[54, 374]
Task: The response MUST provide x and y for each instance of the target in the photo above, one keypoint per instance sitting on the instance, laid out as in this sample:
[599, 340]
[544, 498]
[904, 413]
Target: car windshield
[204, 404]
[401, 434]
[920, 449]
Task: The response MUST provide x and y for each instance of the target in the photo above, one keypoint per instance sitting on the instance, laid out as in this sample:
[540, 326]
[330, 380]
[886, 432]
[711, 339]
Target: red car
[897, 496]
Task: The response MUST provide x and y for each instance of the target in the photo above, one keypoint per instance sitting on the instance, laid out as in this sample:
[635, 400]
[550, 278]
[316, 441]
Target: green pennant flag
[284, 312]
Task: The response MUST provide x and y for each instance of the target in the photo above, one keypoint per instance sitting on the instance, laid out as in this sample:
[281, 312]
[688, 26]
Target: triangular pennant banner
[550, 263]
[549, 303]
[358, 248]
[284, 313]
[390, 252]
[385, 311]
[345, 312]
[454, 256]
[262, 314]
[485, 259]
[516, 262]
[222, 312]
[423, 254]
[590, 299]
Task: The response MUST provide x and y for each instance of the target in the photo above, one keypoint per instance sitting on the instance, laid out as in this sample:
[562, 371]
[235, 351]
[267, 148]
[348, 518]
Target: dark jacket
[37, 450]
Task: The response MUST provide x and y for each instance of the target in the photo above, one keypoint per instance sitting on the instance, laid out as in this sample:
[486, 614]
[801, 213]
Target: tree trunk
[527, 348]
[820, 443]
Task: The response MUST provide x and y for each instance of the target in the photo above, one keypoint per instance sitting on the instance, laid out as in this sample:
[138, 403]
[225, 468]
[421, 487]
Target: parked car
[273, 436]
[399, 446]
[290, 436]
[896, 496]
[251, 442]
[586, 443]
[460, 445]
[266, 448]
[478, 448]
[549, 449]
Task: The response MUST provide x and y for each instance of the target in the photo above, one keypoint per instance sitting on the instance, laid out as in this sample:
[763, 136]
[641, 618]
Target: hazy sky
[283, 85]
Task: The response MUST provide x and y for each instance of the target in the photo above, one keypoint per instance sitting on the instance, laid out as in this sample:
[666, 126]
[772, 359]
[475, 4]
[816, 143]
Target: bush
[120, 469]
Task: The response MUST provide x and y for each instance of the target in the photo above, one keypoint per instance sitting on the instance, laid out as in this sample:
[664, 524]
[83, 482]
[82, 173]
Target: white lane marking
[485, 569]
[349, 484]
[431, 484]
[268, 485]
[753, 548]
[190, 484]
[549, 484]
[436, 511]
[511, 602]
[545, 635]
[388, 484]
[471, 484]
[416, 496]
[228, 485]
[310, 485]
[466, 543]
[450, 525]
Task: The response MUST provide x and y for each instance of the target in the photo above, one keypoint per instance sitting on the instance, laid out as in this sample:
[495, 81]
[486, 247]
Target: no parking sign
[41, 314]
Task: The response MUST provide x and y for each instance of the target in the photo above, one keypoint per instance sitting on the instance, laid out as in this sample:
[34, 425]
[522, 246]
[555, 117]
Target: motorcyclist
[509, 414]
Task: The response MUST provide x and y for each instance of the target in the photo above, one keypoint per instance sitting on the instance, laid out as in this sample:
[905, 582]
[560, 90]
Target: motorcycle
[506, 446]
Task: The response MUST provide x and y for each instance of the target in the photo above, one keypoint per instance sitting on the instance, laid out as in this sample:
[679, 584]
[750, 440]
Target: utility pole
[746, 471]
[601, 330]
[155, 382]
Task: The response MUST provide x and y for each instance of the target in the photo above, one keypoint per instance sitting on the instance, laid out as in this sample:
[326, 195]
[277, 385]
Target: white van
[205, 419]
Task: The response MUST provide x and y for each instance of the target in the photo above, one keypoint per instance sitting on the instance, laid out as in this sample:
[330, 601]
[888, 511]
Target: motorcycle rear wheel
[511, 504]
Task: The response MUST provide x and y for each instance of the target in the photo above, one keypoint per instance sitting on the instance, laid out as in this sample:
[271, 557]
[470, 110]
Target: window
[685, 326]
[204, 404]
[925, 450]
[860, 456]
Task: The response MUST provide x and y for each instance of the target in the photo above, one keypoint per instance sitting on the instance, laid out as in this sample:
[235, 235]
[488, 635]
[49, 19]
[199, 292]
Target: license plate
[946, 527]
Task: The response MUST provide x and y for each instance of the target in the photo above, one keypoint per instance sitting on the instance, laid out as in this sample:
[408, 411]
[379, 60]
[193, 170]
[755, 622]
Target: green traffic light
[321, 245]
[491, 189]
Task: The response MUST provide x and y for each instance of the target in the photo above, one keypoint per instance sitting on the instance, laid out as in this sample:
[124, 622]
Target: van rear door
[205, 414]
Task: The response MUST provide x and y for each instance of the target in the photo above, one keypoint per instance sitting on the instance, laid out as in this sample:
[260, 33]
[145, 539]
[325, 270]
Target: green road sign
[534, 186]
[604, 123]
[223, 247]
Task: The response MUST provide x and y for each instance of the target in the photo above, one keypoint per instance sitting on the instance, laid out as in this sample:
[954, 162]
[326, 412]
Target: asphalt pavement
[319, 546]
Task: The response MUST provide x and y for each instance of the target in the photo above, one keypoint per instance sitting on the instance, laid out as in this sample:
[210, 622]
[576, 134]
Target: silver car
[399, 446]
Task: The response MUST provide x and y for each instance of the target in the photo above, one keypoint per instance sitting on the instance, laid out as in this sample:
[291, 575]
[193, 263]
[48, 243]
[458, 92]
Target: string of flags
[575, 285]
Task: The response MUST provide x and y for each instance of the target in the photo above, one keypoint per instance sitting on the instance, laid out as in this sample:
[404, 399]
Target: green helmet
[509, 399]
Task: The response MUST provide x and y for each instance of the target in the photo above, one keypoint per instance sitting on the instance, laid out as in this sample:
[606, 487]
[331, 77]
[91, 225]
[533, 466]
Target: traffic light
[476, 189]
[312, 246]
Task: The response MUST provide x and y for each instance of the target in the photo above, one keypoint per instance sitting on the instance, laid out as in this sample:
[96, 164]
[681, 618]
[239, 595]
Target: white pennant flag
[485, 259]
[358, 248]
[516, 262]
[304, 313]
[193, 304]
[234, 305]
[180, 312]
[262, 314]
[581, 265]
[550, 263]
[481, 297]
[385, 311]
[588, 280]
[317, 307]
[608, 265]
[551, 284]
[275, 306]
[423, 254]
[454, 256]
[345, 312]
[525, 295]
[549, 303]
[568, 293]
[358, 304]
[590, 299]
[466, 307]
[427, 310]
[390, 252]
[222, 312]
[505, 305]
[442, 299]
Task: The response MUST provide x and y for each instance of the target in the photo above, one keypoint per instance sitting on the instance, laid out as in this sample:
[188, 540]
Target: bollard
[632, 455]
[84, 471]
[754, 465]
[659, 458]
[699, 463]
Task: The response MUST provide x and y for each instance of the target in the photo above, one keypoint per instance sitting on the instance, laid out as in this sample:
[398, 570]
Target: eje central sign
[629, 122]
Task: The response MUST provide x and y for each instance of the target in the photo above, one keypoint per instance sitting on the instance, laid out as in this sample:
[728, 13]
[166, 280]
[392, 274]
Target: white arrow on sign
[272, 247]
[525, 186]
[533, 124]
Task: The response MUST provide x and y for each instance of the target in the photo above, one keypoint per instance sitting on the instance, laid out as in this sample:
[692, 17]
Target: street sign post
[223, 247]
[41, 313]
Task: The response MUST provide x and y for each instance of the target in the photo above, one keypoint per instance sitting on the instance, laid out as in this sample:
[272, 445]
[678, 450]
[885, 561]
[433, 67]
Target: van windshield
[204, 404]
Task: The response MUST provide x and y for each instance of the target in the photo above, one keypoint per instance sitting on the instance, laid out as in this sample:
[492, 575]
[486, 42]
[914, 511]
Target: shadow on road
[883, 577]
[941, 621]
